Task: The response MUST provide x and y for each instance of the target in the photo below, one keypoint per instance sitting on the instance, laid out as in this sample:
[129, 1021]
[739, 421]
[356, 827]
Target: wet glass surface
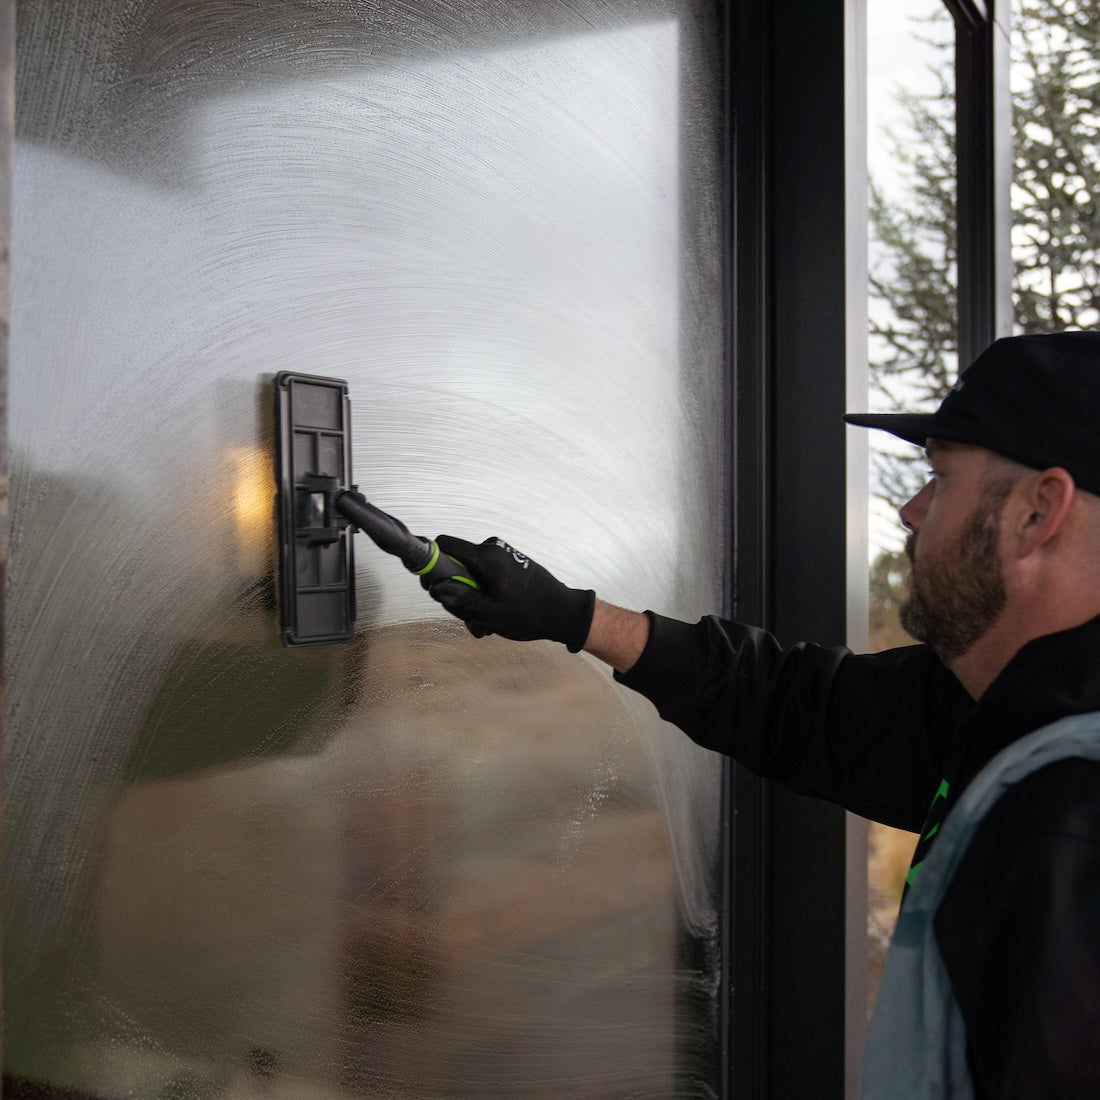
[414, 865]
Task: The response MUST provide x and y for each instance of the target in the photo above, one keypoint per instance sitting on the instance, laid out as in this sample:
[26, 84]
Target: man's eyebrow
[936, 447]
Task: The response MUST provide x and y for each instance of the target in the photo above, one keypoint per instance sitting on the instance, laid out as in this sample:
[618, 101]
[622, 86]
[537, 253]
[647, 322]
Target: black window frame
[794, 928]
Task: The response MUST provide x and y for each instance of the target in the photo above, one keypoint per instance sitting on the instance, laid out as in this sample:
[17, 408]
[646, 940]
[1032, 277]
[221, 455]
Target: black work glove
[515, 598]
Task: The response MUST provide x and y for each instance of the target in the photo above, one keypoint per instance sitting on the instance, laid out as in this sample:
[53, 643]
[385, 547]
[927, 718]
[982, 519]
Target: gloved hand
[515, 598]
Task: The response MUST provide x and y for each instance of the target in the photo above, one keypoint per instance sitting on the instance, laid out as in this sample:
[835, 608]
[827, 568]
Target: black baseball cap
[1033, 399]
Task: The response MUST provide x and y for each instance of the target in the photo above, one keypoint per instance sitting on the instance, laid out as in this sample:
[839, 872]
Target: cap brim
[912, 427]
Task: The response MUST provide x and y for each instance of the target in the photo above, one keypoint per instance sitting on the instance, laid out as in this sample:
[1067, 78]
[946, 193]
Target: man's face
[956, 590]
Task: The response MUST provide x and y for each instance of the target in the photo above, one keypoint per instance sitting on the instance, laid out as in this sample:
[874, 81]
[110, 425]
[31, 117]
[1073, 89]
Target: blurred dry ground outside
[889, 851]
[888, 856]
[469, 891]
[469, 888]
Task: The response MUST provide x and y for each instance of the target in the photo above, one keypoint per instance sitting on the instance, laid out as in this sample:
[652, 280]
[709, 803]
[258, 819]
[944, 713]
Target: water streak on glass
[415, 865]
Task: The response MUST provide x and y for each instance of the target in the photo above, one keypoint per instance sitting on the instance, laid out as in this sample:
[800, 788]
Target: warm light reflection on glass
[250, 472]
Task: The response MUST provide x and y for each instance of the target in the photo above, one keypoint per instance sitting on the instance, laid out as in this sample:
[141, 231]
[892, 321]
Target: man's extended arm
[860, 731]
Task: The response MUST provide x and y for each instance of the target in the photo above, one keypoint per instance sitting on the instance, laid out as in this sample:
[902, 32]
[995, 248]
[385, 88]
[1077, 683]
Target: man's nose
[912, 512]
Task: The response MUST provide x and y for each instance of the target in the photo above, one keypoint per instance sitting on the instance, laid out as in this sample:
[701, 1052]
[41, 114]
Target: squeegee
[319, 510]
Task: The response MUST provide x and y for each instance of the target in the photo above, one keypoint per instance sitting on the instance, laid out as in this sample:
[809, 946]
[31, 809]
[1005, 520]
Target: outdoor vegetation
[1055, 243]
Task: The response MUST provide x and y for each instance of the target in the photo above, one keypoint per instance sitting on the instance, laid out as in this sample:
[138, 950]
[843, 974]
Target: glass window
[417, 865]
[913, 311]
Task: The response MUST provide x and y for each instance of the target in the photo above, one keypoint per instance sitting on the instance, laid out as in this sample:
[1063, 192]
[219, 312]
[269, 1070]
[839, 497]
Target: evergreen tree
[913, 283]
[1056, 225]
[1056, 215]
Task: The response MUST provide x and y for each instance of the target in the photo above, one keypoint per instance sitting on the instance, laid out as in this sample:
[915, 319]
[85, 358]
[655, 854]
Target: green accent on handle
[431, 561]
[455, 571]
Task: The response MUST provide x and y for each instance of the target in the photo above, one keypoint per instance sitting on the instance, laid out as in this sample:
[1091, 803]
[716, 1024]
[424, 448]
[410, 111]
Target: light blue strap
[916, 1046]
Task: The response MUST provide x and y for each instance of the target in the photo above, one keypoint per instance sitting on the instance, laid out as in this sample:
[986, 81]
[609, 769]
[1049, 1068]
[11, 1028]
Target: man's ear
[1041, 508]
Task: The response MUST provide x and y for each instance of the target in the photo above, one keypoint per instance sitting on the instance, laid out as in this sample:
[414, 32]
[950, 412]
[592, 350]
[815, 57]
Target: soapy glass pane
[419, 864]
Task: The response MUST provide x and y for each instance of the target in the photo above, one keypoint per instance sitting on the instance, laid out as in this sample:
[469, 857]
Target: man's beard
[957, 596]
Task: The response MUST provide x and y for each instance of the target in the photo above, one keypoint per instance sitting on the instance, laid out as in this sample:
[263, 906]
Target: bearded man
[985, 739]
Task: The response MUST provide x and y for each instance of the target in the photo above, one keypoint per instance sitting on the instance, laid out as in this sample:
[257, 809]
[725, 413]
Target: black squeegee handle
[419, 555]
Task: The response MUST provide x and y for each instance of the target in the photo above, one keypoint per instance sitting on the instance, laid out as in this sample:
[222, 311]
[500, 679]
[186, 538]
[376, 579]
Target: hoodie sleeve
[868, 732]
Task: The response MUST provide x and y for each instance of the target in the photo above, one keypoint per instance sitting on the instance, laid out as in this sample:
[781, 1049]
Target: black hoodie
[1019, 927]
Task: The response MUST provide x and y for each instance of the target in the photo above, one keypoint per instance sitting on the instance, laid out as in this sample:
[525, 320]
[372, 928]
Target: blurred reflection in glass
[416, 865]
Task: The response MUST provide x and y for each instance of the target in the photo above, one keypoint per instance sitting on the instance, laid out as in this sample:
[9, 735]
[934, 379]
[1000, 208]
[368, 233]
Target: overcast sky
[896, 58]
